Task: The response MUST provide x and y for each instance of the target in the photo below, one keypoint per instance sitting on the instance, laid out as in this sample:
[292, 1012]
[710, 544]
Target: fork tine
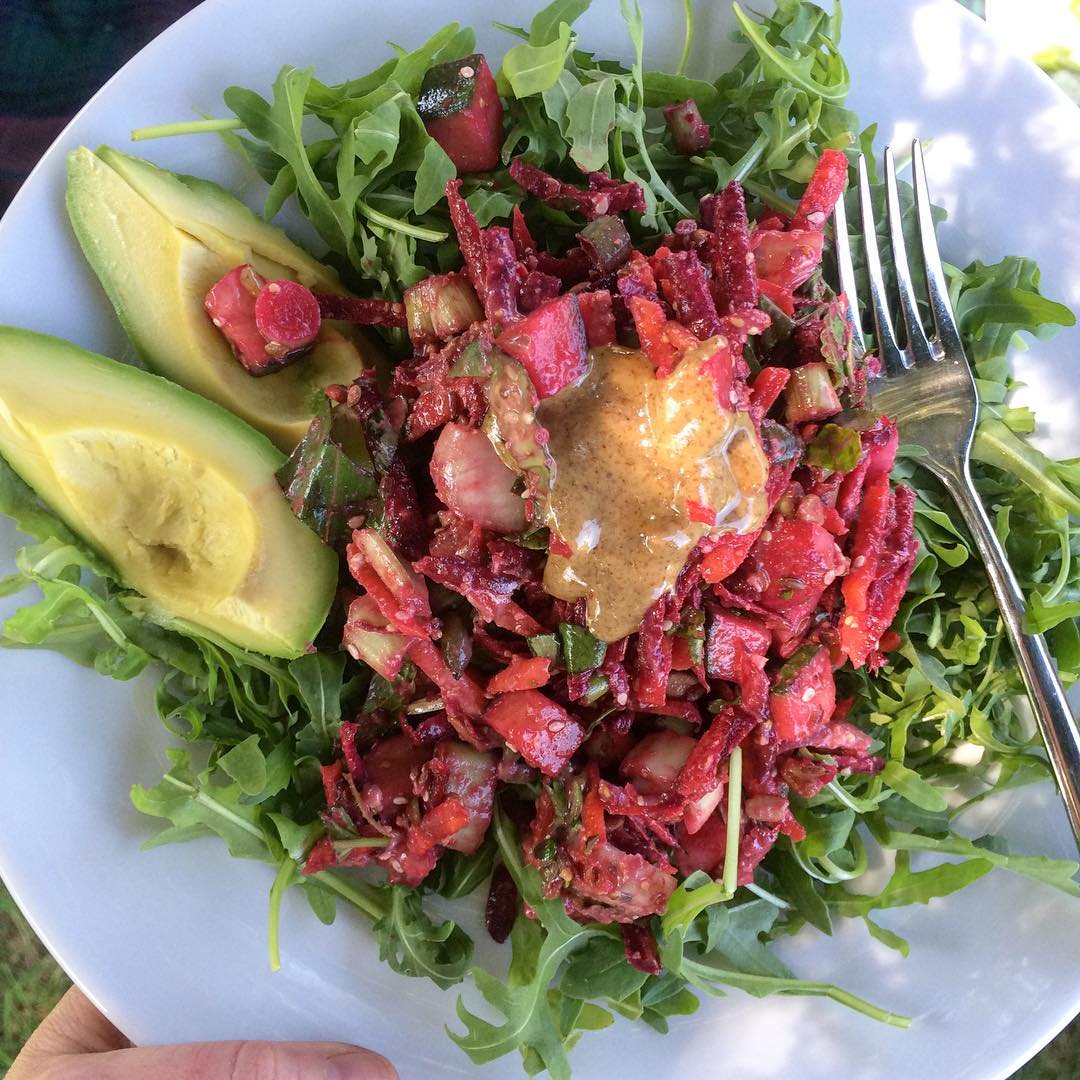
[936, 282]
[847, 275]
[918, 346]
[892, 358]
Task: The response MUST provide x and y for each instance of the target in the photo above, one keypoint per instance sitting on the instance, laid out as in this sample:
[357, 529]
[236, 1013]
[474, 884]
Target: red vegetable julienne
[499, 681]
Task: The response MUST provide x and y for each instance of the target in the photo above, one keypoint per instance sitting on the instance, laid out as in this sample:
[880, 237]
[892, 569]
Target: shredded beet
[684, 280]
[734, 271]
[502, 280]
[470, 238]
[364, 312]
[604, 195]
[624, 746]
[822, 192]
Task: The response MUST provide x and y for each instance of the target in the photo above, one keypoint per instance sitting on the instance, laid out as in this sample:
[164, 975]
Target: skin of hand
[75, 1042]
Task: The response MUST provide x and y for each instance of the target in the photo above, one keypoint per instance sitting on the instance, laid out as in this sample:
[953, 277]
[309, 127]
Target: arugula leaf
[581, 651]
[600, 970]
[906, 887]
[529, 1024]
[325, 484]
[819, 70]
[738, 958]
[1060, 873]
[319, 684]
[590, 119]
[412, 944]
[458, 875]
[532, 69]
[694, 894]
[798, 888]
[887, 937]
[545, 27]
[909, 784]
[197, 807]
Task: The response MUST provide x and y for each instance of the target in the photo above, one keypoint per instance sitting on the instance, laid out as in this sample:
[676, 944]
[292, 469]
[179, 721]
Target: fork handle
[1052, 712]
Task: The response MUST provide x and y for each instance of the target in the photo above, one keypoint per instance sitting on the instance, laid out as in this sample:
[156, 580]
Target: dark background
[53, 55]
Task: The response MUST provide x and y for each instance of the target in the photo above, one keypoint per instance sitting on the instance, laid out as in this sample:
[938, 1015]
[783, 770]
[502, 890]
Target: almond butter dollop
[630, 452]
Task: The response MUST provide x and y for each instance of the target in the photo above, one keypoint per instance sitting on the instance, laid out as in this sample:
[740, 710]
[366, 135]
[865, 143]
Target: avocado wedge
[158, 242]
[179, 494]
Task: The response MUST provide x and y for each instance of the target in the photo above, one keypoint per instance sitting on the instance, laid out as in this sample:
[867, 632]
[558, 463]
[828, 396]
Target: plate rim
[56, 149]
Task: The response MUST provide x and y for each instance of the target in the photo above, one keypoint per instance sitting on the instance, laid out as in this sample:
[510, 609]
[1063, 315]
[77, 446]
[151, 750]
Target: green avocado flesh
[177, 493]
[158, 242]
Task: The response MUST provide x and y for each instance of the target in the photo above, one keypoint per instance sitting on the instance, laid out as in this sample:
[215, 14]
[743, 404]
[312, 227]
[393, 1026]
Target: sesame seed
[858, 561]
[400, 800]
[809, 694]
[217, 322]
[274, 287]
[467, 72]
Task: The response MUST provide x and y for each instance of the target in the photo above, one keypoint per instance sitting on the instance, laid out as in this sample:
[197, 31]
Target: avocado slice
[158, 242]
[179, 494]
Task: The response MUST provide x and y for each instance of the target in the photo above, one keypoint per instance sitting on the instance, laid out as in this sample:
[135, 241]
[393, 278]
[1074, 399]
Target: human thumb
[75, 1042]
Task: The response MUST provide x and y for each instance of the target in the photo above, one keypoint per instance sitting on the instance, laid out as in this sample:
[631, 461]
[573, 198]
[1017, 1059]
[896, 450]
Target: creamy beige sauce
[630, 451]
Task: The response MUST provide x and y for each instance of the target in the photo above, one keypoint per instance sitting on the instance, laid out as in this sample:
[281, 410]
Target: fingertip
[358, 1064]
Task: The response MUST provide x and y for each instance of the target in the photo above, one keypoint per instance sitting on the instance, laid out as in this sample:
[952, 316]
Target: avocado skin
[55, 395]
[158, 242]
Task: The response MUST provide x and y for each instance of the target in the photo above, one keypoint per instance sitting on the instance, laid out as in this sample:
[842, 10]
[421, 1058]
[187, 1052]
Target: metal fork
[927, 387]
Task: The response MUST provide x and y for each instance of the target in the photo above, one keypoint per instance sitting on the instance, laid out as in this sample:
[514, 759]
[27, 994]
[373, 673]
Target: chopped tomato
[550, 344]
[536, 727]
[790, 566]
[803, 696]
[527, 673]
[826, 186]
[883, 555]
[437, 826]
[786, 259]
[470, 777]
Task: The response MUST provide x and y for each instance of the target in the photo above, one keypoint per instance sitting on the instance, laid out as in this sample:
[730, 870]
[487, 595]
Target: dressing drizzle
[630, 451]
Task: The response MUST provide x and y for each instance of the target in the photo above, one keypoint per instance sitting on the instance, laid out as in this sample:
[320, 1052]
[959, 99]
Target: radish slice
[471, 480]
[287, 315]
[653, 765]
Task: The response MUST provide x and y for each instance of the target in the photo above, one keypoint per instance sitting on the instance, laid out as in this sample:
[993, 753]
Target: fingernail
[360, 1065]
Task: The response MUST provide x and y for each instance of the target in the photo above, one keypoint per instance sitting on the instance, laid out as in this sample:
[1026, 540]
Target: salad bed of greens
[372, 185]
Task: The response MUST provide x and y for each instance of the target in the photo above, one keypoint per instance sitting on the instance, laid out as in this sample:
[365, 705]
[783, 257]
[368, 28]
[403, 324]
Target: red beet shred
[491, 682]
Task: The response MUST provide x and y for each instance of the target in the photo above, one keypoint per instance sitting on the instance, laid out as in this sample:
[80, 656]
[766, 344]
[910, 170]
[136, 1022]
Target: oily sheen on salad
[623, 607]
[685, 559]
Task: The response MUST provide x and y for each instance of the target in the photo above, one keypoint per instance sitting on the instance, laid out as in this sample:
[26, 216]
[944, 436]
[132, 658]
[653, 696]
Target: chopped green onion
[545, 645]
[581, 651]
[734, 816]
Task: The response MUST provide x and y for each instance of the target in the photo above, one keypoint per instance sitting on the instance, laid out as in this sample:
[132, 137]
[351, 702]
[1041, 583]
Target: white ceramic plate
[172, 943]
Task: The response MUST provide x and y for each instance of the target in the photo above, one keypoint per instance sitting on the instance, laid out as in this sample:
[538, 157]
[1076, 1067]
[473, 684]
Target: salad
[597, 586]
